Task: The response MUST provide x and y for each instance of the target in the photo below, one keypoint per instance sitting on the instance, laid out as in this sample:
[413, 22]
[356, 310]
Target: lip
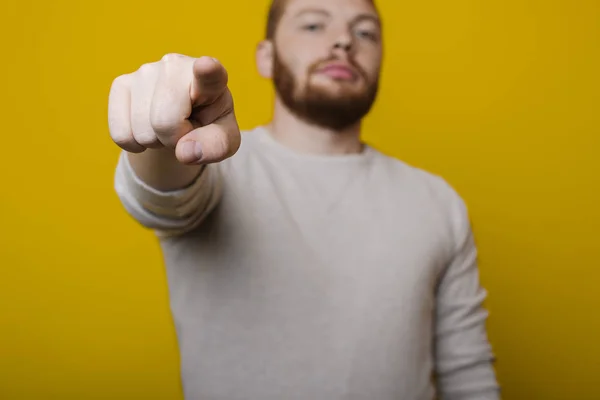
[339, 71]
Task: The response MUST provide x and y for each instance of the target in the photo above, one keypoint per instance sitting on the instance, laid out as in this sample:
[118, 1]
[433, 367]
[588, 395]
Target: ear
[264, 58]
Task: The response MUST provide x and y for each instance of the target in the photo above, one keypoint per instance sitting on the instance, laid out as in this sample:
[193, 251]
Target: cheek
[299, 53]
[291, 60]
[298, 69]
[371, 64]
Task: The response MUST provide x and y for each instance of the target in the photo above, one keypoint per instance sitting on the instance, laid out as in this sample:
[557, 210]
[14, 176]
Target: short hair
[275, 12]
[273, 17]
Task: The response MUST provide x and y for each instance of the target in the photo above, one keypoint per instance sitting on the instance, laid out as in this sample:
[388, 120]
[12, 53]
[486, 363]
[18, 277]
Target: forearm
[170, 211]
[159, 169]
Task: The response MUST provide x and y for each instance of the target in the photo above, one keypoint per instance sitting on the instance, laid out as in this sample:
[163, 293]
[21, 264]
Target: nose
[343, 43]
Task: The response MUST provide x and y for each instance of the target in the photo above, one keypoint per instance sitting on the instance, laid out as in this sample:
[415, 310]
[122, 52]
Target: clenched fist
[179, 102]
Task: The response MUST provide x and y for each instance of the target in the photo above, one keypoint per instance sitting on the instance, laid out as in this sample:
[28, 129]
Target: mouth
[338, 71]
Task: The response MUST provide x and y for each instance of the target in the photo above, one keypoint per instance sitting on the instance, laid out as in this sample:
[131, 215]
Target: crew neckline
[265, 137]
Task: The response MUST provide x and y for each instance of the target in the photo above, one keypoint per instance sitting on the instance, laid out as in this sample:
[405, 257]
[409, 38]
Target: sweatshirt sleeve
[168, 213]
[464, 359]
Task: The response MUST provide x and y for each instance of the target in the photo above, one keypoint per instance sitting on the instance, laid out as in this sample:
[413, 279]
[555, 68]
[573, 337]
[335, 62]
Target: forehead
[341, 8]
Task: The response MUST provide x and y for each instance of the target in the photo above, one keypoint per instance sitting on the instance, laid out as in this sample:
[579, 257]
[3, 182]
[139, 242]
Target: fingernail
[191, 150]
[215, 60]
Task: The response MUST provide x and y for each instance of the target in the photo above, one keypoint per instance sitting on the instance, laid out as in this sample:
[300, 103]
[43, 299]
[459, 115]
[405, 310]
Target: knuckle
[171, 57]
[168, 57]
[146, 69]
[229, 144]
[118, 132]
[163, 123]
[225, 77]
[123, 141]
[224, 144]
[234, 144]
[121, 81]
[145, 137]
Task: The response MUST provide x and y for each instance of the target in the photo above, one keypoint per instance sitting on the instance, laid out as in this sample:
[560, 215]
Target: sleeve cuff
[173, 204]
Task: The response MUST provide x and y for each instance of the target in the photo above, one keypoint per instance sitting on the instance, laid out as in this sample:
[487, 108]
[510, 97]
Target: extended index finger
[210, 81]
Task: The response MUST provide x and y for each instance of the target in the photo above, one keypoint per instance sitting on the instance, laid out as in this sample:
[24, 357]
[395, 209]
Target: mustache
[315, 66]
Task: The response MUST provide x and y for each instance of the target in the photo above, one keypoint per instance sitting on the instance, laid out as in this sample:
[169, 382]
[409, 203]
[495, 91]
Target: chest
[289, 282]
[353, 238]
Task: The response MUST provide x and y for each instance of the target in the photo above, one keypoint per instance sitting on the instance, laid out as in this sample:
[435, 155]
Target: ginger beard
[328, 107]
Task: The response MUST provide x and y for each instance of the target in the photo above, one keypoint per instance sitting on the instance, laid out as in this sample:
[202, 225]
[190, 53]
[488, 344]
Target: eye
[364, 34]
[312, 27]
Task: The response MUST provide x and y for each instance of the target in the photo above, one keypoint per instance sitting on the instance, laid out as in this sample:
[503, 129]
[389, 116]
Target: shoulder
[415, 178]
[429, 191]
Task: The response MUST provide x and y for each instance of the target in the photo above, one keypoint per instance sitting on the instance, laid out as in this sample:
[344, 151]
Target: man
[302, 263]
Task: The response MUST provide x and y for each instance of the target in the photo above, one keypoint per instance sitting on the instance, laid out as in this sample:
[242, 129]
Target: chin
[337, 89]
[326, 81]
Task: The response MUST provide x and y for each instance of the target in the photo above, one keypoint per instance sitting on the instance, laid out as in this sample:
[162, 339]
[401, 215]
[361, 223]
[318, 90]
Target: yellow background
[500, 97]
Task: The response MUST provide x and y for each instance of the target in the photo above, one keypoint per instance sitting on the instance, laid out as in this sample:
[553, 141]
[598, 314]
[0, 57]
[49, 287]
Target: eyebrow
[367, 17]
[311, 11]
[358, 18]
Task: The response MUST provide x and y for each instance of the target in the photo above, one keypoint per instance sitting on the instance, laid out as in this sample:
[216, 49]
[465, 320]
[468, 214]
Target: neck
[300, 136]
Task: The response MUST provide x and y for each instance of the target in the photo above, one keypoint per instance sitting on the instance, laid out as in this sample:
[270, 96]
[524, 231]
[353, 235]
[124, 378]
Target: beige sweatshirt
[312, 277]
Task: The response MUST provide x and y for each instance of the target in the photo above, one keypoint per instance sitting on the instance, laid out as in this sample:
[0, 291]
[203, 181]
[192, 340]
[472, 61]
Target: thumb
[211, 143]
